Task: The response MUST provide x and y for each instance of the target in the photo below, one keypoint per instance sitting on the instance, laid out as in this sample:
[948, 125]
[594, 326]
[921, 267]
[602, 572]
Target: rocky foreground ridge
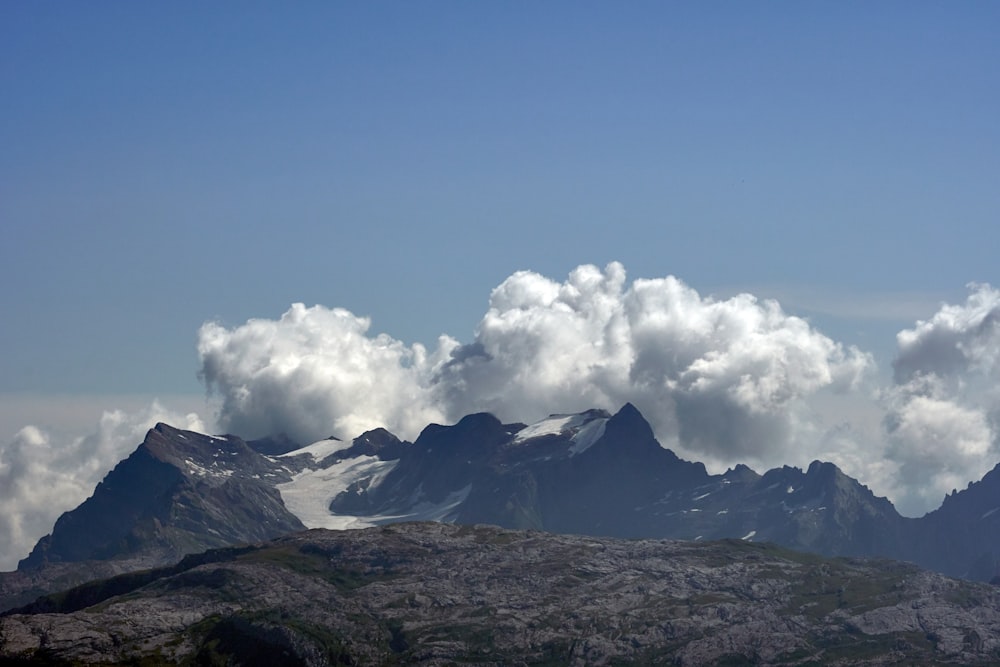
[433, 593]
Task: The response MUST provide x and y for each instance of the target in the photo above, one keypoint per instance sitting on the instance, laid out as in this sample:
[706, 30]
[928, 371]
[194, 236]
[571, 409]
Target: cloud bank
[724, 380]
[42, 476]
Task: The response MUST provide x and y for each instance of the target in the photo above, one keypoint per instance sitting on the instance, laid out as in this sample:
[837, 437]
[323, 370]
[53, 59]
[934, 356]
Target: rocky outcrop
[435, 594]
[180, 492]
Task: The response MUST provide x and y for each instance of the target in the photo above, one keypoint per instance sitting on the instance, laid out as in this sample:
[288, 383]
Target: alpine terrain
[588, 474]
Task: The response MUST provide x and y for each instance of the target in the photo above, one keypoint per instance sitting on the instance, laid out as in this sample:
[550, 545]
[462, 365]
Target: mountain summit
[178, 493]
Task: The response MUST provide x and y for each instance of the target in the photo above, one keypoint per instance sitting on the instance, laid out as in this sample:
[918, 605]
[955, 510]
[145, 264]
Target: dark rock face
[962, 537]
[824, 511]
[607, 475]
[442, 461]
[274, 445]
[378, 442]
[180, 492]
[440, 594]
[137, 488]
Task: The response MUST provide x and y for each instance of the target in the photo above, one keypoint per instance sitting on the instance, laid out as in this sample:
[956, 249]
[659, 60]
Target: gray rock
[434, 594]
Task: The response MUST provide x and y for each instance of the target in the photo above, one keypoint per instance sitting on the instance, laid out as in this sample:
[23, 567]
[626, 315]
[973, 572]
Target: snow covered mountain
[591, 473]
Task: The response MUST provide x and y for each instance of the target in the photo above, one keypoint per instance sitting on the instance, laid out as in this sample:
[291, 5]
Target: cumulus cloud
[939, 445]
[957, 340]
[943, 414]
[316, 372]
[41, 476]
[724, 379]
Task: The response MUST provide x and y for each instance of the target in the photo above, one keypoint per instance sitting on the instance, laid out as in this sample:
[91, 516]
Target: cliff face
[180, 492]
[436, 593]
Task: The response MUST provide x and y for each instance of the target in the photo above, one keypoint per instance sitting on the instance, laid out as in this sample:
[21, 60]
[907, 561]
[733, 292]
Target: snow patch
[427, 511]
[553, 425]
[195, 469]
[319, 450]
[749, 535]
[309, 493]
[585, 428]
[588, 435]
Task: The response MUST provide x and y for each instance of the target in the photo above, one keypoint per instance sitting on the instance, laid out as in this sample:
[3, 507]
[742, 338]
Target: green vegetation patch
[836, 584]
[315, 563]
[268, 637]
[906, 648]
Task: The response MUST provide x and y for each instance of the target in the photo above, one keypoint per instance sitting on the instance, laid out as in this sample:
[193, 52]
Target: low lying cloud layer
[42, 476]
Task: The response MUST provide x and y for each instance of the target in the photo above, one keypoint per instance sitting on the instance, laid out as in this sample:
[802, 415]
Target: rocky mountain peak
[178, 492]
[377, 442]
[629, 422]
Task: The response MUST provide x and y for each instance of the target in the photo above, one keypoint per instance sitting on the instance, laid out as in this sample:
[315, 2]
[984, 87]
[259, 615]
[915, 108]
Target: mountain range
[173, 529]
[591, 473]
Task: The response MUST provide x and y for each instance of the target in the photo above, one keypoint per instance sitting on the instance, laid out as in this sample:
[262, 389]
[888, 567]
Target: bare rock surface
[429, 593]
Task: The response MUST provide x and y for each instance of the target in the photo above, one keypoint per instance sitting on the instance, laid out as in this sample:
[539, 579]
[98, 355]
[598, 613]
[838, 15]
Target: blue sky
[163, 165]
[167, 164]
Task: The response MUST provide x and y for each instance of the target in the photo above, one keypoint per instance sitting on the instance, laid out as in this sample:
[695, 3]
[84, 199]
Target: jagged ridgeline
[590, 473]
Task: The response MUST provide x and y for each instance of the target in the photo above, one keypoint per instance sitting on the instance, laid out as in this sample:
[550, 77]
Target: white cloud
[727, 380]
[958, 339]
[42, 476]
[314, 373]
[939, 445]
[942, 414]
[544, 347]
